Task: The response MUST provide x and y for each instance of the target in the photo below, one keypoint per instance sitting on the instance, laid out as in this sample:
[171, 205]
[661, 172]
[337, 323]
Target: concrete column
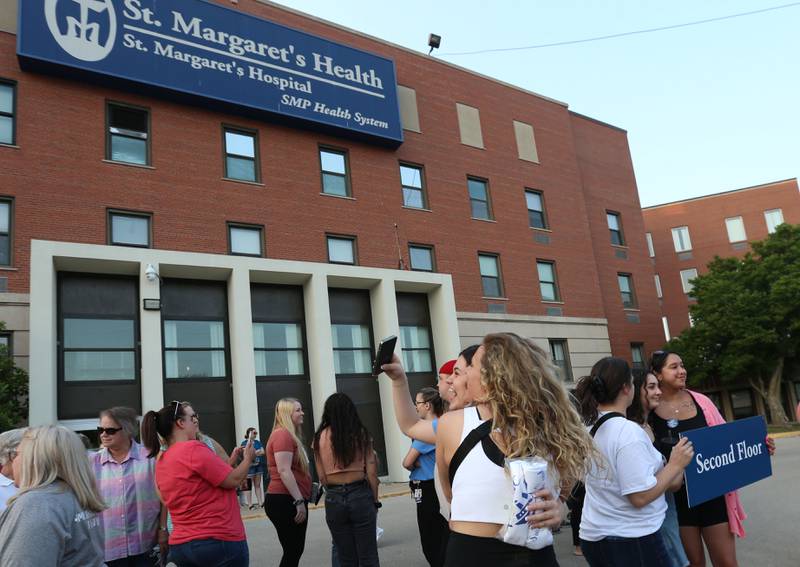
[320, 343]
[444, 324]
[150, 338]
[385, 323]
[43, 397]
[243, 364]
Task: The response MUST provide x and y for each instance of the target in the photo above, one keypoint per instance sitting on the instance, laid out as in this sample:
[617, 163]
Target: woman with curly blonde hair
[509, 381]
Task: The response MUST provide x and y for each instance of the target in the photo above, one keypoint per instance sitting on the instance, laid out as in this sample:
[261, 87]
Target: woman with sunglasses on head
[624, 506]
[54, 519]
[9, 441]
[714, 522]
[126, 479]
[420, 460]
[199, 489]
[289, 480]
[647, 396]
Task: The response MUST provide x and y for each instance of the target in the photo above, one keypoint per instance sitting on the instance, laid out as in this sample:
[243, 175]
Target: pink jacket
[736, 515]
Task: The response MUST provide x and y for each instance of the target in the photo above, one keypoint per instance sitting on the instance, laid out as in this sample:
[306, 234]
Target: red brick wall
[705, 218]
[62, 186]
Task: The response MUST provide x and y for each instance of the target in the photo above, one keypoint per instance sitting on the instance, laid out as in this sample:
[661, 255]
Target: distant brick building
[167, 245]
[684, 236]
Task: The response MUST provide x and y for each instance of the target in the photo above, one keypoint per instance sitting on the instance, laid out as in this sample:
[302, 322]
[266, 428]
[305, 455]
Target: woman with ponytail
[198, 488]
[289, 480]
[624, 506]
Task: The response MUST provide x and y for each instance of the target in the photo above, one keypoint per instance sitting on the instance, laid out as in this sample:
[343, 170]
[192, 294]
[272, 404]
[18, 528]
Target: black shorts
[468, 551]
[702, 515]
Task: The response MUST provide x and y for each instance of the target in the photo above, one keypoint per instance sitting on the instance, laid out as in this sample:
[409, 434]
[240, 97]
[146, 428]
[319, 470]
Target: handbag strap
[478, 434]
[603, 419]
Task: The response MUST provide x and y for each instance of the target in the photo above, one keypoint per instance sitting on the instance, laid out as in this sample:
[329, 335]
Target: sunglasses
[108, 430]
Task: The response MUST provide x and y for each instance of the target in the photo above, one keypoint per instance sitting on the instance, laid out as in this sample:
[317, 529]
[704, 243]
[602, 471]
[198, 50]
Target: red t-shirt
[281, 442]
[189, 475]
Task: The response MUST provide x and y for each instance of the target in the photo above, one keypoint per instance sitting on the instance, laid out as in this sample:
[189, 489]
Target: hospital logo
[85, 29]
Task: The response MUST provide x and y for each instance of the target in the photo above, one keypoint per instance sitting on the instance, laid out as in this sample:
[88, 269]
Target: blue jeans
[210, 553]
[645, 551]
[351, 517]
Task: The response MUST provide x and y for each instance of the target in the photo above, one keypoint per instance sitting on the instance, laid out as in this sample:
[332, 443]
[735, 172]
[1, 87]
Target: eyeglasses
[108, 430]
[422, 402]
[195, 416]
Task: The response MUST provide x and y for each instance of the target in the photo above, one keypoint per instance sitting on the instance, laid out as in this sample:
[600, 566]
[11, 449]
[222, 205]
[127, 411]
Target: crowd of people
[160, 488]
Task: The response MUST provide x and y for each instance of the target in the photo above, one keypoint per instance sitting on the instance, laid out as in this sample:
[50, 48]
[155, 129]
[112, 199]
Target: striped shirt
[130, 524]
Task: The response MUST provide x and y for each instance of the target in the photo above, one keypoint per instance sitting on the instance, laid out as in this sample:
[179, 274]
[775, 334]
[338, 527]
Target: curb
[785, 434]
[256, 516]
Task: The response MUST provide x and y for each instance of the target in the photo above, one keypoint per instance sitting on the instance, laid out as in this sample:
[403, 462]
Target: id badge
[416, 494]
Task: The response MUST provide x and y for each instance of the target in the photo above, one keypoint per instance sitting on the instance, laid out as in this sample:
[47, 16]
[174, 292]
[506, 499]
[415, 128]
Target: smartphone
[384, 354]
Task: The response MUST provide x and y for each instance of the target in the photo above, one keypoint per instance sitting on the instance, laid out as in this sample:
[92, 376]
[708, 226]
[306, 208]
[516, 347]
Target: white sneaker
[378, 533]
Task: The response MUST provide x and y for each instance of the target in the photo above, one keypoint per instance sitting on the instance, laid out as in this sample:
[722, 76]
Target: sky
[707, 108]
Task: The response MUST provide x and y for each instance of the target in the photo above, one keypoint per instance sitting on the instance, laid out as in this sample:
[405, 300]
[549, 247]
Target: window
[245, 240]
[99, 349]
[742, 404]
[686, 280]
[342, 249]
[421, 257]
[194, 349]
[129, 229]
[413, 184]
[6, 344]
[8, 103]
[681, 240]
[6, 214]
[128, 134]
[548, 286]
[716, 399]
[665, 325]
[637, 356]
[735, 227]
[560, 354]
[615, 228]
[278, 349]
[535, 202]
[479, 198]
[626, 290]
[335, 179]
[490, 275]
[241, 155]
[352, 351]
[650, 250]
[773, 217]
[416, 343]
[659, 293]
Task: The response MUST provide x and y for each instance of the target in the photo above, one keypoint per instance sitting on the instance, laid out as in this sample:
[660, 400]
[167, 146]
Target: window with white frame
[680, 237]
[241, 154]
[535, 202]
[8, 104]
[686, 280]
[335, 178]
[627, 293]
[650, 250]
[774, 217]
[413, 185]
[735, 228]
[657, 280]
[548, 284]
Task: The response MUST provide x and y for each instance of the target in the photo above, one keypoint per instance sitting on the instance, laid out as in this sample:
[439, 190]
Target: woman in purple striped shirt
[126, 479]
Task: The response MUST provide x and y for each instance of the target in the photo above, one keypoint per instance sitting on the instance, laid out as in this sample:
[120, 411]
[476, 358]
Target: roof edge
[600, 122]
[721, 193]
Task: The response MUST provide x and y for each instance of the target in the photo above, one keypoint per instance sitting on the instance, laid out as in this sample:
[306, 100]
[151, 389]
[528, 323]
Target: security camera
[150, 273]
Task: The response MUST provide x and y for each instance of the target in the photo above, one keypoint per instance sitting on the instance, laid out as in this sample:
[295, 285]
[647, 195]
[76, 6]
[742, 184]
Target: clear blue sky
[707, 108]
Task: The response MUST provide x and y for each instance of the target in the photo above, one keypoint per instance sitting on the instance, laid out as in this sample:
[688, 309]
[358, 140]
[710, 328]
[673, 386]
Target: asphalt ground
[772, 505]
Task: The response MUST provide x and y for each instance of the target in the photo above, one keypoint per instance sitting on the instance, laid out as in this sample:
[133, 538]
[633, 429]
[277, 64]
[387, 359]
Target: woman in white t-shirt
[624, 506]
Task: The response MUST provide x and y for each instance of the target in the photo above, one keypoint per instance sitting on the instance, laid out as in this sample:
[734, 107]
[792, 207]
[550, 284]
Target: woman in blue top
[256, 472]
[420, 460]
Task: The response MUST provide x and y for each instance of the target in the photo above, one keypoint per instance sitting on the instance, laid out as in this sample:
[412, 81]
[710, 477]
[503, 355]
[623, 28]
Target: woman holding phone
[198, 488]
[255, 473]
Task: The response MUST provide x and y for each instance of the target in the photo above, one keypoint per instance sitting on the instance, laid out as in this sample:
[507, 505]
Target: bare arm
[681, 456]
[372, 473]
[407, 419]
[447, 440]
[323, 478]
[410, 460]
[283, 460]
[238, 474]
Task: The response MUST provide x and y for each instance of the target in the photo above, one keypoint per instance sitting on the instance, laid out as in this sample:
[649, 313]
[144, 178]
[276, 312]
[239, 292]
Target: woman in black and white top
[624, 506]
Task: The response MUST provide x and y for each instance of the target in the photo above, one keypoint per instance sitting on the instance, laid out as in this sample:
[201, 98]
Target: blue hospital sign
[726, 457]
[199, 48]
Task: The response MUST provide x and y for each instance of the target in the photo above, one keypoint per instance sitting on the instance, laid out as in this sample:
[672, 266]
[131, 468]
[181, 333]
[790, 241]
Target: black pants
[433, 528]
[471, 551]
[292, 536]
[645, 551]
[351, 517]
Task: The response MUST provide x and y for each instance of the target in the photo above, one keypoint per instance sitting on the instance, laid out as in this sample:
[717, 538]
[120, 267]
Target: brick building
[168, 243]
[684, 236]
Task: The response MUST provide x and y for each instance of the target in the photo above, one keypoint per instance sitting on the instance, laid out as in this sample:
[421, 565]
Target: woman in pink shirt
[199, 490]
